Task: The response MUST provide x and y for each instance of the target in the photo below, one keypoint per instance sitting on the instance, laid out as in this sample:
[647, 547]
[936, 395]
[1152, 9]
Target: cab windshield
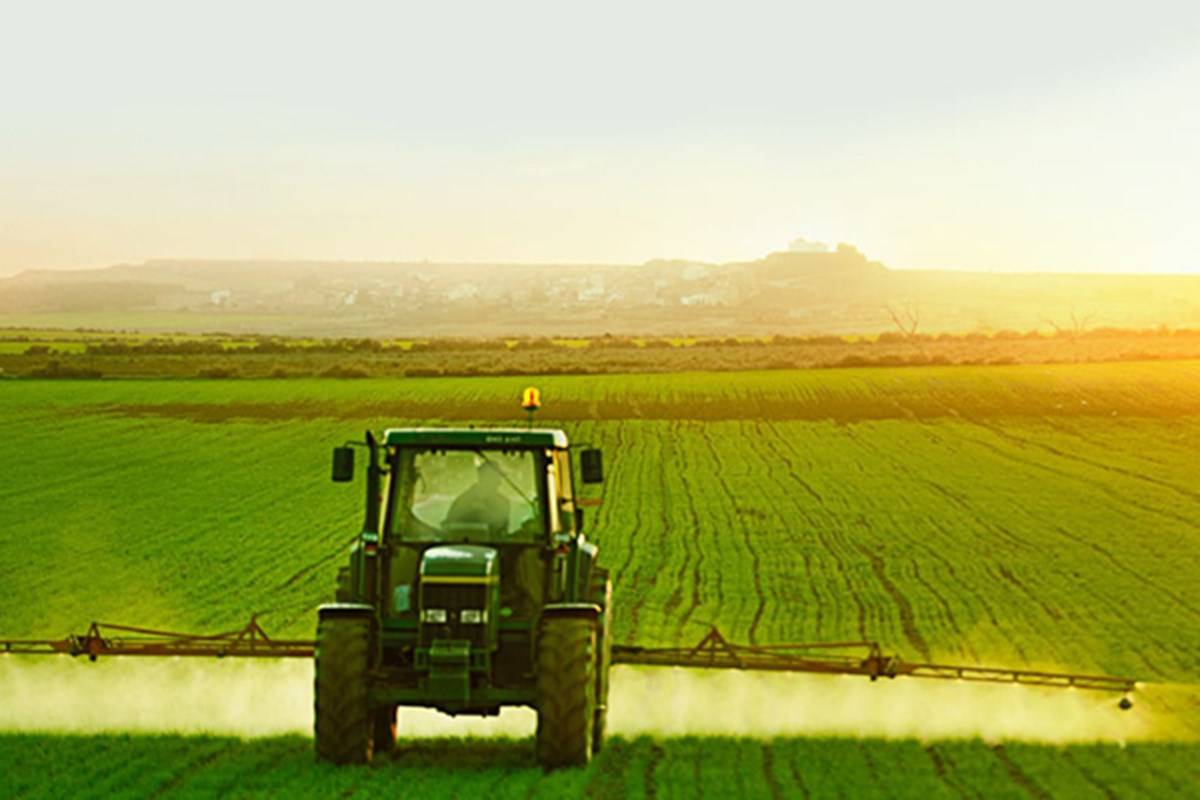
[455, 495]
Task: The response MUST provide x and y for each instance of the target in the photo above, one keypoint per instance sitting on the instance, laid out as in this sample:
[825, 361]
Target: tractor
[471, 587]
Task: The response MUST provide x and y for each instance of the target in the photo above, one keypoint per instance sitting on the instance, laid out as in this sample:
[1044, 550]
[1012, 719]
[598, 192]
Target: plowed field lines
[690, 528]
[1084, 483]
[738, 517]
[815, 526]
[644, 519]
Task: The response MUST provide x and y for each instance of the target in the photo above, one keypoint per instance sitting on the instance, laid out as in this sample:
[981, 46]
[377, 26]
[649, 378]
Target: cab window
[466, 495]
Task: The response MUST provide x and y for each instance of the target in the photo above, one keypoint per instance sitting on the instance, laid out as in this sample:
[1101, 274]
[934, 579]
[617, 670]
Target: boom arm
[847, 658]
[105, 639]
[714, 651]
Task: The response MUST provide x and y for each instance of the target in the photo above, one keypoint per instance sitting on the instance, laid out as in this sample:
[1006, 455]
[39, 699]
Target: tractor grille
[453, 598]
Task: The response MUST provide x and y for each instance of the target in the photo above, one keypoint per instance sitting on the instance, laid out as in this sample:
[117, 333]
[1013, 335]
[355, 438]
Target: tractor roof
[477, 437]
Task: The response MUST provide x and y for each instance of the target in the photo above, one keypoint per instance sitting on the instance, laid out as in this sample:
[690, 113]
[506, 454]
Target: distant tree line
[212, 345]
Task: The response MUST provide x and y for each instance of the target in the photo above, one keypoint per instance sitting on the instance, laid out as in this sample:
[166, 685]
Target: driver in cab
[482, 503]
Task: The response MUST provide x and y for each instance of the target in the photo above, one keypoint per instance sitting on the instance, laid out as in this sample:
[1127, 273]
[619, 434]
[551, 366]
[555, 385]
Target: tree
[907, 317]
[1075, 328]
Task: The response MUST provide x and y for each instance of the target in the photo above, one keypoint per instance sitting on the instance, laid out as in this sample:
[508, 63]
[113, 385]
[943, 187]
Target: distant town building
[802, 245]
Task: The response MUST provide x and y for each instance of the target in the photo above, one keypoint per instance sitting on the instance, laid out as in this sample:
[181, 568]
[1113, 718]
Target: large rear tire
[566, 683]
[343, 724]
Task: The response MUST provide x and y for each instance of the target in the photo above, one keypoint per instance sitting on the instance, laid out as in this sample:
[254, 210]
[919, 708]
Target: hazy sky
[1005, 135]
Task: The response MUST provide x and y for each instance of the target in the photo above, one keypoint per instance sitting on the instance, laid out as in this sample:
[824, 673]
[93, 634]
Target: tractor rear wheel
[342, 712]
[566, 687]
[383, 729]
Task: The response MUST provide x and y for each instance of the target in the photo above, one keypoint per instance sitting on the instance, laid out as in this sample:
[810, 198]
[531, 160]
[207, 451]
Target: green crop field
[155, 766]
[1041, 516]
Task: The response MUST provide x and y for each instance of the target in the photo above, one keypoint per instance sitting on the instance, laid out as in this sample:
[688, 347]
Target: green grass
[56, 347]
[173, 766]
[1037, 516]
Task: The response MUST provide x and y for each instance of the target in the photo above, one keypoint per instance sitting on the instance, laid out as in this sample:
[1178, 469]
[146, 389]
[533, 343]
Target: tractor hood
[460, 561]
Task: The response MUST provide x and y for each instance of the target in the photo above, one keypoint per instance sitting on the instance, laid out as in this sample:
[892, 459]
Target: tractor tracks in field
[1024, 443]
[788, 531]
[947, 611]
[1007, 575]
[1120, 609]
[649, 470]
[1088, 777]
[339, 551]
[1057, 425]
[1018, 775]
[690, 540]
[1074, 477]
[963, 505]
[776, 435]
[768, 769]
[903, 606]
[776, 444]
[194, 768]
[798, 779]
[968, 590]
[625, 574]
[675, 600]
[748, 537]
[872, 767]
[658, 466]
[1044, 525]
[1120, 566]
[655, 758]
[944, 774]
[936, 555]
[1091, 462]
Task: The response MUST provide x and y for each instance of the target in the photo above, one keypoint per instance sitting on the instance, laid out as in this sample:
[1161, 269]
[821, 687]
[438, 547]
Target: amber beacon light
[531, 401]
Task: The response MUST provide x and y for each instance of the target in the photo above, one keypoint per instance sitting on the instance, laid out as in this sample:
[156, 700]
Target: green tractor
[470, 588]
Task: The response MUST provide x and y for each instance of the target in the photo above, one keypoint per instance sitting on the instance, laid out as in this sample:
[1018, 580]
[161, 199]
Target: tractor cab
[508, 492]
[456, 499]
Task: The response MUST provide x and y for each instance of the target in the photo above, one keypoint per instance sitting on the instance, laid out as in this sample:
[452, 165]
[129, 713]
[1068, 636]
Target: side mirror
[343, 464]
[579, 520]
[591, 465]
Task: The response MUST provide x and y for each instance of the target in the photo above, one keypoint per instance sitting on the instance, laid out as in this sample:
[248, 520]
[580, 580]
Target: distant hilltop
[807, 289]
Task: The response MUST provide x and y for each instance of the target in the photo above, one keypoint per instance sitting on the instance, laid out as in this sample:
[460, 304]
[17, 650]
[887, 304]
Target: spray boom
[713, 651]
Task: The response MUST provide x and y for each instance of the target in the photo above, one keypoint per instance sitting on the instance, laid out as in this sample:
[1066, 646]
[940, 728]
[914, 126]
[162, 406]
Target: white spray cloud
[259, 698]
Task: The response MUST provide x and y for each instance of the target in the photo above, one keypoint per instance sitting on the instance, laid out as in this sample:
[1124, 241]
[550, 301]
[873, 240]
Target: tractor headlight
[435, 615]
[473, 616]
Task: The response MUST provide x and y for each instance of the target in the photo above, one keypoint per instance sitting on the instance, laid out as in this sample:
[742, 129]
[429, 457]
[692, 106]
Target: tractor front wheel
[566, 684]
[343, 723]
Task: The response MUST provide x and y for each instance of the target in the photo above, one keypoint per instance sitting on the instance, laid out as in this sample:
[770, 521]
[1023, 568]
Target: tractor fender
[581, 610]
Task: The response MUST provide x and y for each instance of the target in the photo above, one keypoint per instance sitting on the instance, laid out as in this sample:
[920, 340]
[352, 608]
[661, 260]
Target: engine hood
[460, 560]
